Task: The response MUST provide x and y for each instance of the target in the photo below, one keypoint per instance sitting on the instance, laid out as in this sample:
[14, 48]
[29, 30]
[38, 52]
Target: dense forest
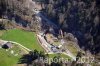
[18, 12]
[79, 17]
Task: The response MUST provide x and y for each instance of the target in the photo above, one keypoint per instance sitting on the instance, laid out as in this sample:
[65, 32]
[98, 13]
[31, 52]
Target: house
[7, 45]
[2, 42]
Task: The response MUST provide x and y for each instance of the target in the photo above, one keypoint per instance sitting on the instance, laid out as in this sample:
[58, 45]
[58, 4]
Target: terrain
[50, 29]
[27, 39]
[79, 17]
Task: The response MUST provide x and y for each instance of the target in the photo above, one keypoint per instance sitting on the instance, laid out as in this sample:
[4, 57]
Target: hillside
[27, 39]
[18, 12]
[60, 28]
[79, 17]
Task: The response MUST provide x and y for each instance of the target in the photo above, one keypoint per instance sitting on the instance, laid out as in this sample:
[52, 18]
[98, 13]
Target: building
[5, 44]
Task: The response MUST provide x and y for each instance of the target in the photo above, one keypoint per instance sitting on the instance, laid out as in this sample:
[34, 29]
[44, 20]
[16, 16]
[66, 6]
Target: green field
[11, 59]
[8, 59]
[61, 55]
[27, 39]
[71, 48]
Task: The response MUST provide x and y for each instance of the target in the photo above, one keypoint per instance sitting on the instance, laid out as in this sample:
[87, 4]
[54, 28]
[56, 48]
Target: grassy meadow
[27, 39]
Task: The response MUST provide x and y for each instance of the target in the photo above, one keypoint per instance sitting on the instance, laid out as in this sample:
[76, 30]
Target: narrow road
[20, 45]
[4, 41]
[46, 46]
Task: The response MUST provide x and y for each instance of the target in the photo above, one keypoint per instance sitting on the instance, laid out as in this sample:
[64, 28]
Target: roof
[8, 44]
[3, 42]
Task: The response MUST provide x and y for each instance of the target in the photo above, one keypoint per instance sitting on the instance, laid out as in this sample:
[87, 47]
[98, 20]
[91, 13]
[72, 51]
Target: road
[44, 44]
[20, 45]
[4, 41]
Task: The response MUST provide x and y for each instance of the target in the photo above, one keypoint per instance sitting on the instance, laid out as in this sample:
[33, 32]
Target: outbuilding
[7, 45]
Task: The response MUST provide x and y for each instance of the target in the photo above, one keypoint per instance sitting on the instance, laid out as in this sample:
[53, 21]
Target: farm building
[5, 44]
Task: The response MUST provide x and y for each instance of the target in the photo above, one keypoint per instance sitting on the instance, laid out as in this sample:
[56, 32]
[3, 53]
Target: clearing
[27, 39]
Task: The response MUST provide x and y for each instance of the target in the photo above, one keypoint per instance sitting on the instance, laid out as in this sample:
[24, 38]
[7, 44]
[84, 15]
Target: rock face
[79, 17]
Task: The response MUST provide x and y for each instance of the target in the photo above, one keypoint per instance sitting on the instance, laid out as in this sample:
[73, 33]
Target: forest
[79, 17]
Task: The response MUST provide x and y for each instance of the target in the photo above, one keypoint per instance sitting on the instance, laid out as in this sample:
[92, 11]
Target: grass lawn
[57, 43]
[27, 39]
[8, 59]
[11, 59]
[1, 32]
[61, 55]
[72, 49]
[18, 50]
